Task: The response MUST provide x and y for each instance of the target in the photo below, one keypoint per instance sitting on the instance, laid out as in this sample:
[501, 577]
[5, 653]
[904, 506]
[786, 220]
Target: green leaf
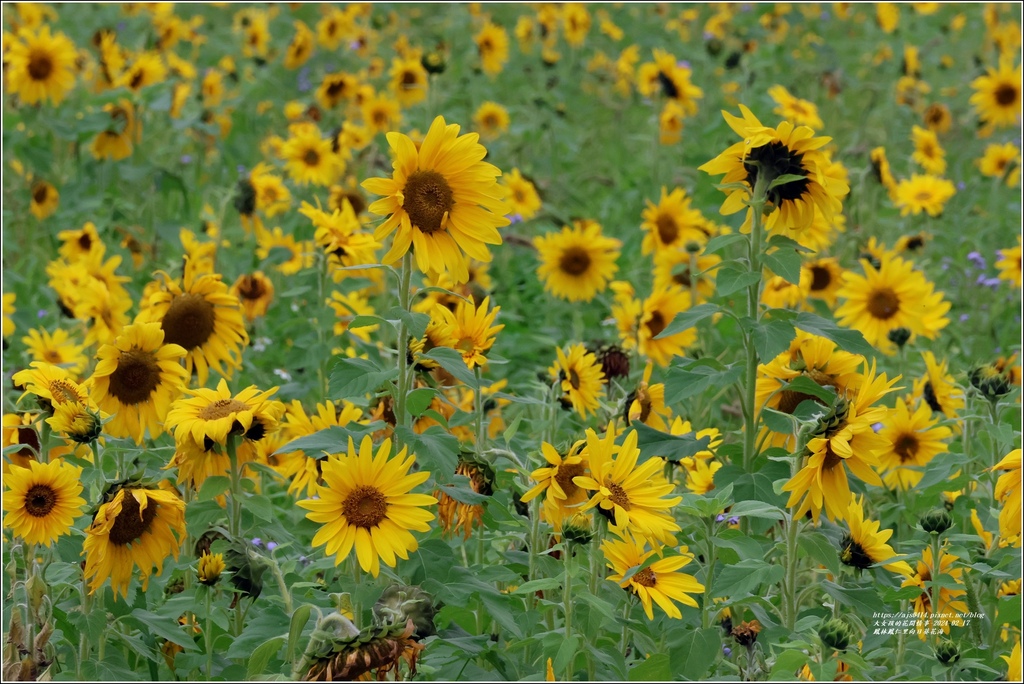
[788, 663]
[512, 429]
[260, 658]
[756, 509]
[745, 577]
[695, 652]
[366, 321]
[864, 600]
[352, 378]
[780, 422]
[731, 279]
[499, 607]
[417, 401]
[332, 440]
[786, 178]
[260, 506]
[817, 546]
[849, 340]
[687, 319]
[771, 337]
[214, 486]
[655, 669]
[161, 627]
[298, 622]
[782, 242]
[415, 323]
[804, 385]
[673, 447]
[435, 449]
[543, 584]
[720, 242]
[566, 653]
[463, 494]
[693, 378]
[785, 263]
[452, 362]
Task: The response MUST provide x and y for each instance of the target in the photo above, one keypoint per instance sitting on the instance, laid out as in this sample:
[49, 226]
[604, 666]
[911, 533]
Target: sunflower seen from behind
[577, 263]
[136, 379]
[660, 582]
[136, 526]
[42, 500]
[443, 201]
[366, 504]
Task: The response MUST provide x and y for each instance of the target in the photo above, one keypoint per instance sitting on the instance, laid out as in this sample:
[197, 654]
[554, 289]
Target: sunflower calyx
[947, 653]
[835, 634]
[936, 521]
[400, 604]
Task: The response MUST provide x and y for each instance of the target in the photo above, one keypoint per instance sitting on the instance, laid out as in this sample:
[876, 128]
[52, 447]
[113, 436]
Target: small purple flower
[994, 283]
[41, 313]
[256, 541]
[734, 520]
[960, 185]
[683, 64]
[186, 159]
[515, 218]
[271, 545]
[303, 80]
[825, 16]
[978, 260]
[964, 317]
[242, 171]
[877, 426]
[720, 518]
[726, 651]
[981, 279]
[708, 35]
[354, 45]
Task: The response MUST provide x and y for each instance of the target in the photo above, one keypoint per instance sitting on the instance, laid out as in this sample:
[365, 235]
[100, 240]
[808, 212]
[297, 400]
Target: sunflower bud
[400, 604]
[433, 62]
[245, 198]
[990, 381]
[210, 568]
[936, 521]
[834, 420]
[692, 247]
[947, 653]
[899, 336]
[578, 529]
[835, 634]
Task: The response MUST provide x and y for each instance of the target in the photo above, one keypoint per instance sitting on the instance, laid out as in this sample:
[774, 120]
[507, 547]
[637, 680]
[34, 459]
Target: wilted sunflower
[949, 596]
[135, 526]
[660, 582]
[443, 199]
[1008, 493]
[44, 201]
[522, 197]
[580, 377]
[631, 495]
[471, 329]
[923, 193]
[492, 44]
[893, 295]
[771, 153]
[577, 263]
[997, 96]
[865, 545]
[672, 223]
[136, 379]
[365, 503]
[58, 349]
[562, 496]
[201, 316]
[42, 500]
[40, 66]
[116, 141]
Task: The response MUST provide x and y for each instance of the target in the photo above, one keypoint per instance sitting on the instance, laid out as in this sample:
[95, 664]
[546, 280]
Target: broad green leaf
[849, 340]
[745, 577]
[673, 447]
[353, 378]
[720, 242]
[786, 178]
[260, 657]
[780, 422]
[298, 623]
[756, 509]
[260, 506]
[771, 337]
[817, 546]
[452, 362]
[804, 385]
[417, 401]
[170, 631]
[214, 486]
[695, 653]
[732, 279]
[687, 319]
[543, 584]
[655, 669]
[436, 450]
[785, 263]
[694, 378]
[332, 440]
[782, 242]
[864, 600]
[787, 664]
[415, 323]
[366, 321]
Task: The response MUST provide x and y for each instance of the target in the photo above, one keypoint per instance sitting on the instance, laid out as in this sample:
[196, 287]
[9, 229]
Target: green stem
[478, 410]
[901, 643]
[209, 633]
[30, 614]
[401, 419]
[83, 638]
[286, 595]
[357, 603]
[625, 626]
[322, 301]
[235, 506]
[708, 605]
[753, 306]
[567, 601]
[791, 558]
[936, 592]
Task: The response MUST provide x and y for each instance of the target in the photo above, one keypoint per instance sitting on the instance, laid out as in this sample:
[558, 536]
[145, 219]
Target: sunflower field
[511, 342]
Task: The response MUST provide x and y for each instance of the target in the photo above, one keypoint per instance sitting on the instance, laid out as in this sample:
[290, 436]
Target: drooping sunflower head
[42, 500]
[788, 157]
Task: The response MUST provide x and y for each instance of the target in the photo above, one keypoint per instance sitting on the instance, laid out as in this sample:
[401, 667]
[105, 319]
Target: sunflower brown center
[137, 80]
[357, 202]
[28, 436]
[40, 66]
[63, 392]
[618, 495]
[574, 378]
[365, 507]
[250, 287]
[40, 500]
[821, 278]
[683, 278]
[52, 355]
[778, 160]
[428, 199]
[189, 321]
[136, 377]
[564, 475]
[656, 323]
[854, 555]
[85, 241]
[311, 158]
[409, 78]
[39, 193]
[222, 408]
[883, 304]
[905, 447]
[668, 230]
[646, 578]
[132, 522]
[575, 261]
[1006, 94]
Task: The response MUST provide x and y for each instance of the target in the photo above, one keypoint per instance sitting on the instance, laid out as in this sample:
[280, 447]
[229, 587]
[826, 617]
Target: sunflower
[581, 378]
[380, 112]
[80, 244]
[800, 112]
[201, 316]
[76, 422]
[667, 76]
[826, 277]
[211, 565]
[882, 171]
[843, 437]
[309, 157]
[42, 500]
[491, 119]
[647, 403]
[492, 44]
[779, 293]
[948, 604]
[658, 311]
[289, 255]
[51, 384]
[300, 49]
[335, 88]
[660, 582]
[366, 503]
[301, 469]
[116, 141]
[676, 267]
[255, 291]
[135, 526]
[522, 197]
[577, 263]
[893, 295]
[562, 496]
[670, 123]
[8, 309]
[209, 417]
[928, 153]
[332, 28]
[471, 329]
[1008, 493]
[630, 494]
[443, 199]
[58, 349]
[212, 88]
[576, 22]
[1014, 663]
[39, 66]
[774, 152]
[938, 389]
[1001, 161]
[938, 118]
[409, 80]
[339, 234]
[997, 96]
[1009, 264]
[865, 545]
[923, 193]
[672, 223]
[136, 379]
[147, 69]
[45, 199]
